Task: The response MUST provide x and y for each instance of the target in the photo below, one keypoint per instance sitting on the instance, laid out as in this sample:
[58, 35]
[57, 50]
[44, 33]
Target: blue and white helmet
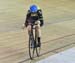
[33, 8]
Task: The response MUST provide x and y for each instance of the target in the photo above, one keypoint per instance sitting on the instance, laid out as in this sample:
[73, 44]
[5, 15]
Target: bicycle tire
[31, 50]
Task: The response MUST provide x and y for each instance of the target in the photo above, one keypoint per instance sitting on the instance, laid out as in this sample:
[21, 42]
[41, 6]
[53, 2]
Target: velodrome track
[58, 33]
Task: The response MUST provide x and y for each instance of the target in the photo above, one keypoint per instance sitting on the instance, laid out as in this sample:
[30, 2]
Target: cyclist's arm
[27, 17]
[41, 17]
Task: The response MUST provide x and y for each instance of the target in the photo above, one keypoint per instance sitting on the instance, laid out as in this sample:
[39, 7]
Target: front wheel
[31, 48]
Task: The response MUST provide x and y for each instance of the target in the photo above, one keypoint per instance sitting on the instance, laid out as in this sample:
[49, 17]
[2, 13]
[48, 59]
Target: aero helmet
[33, 8]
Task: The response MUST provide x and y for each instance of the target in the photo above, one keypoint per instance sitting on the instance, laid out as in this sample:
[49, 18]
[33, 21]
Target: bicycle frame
[33, 39]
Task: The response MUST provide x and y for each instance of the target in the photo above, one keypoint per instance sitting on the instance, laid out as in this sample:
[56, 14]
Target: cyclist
[34, 16]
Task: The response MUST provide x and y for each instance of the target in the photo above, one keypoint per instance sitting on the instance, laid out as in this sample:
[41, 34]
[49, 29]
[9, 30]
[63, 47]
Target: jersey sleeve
[40, 14]
[27, 17]
[40, 17]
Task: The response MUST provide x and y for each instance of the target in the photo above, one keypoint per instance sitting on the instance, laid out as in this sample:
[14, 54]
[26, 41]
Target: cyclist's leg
[29, 28]
[38, 30]
[29, 32]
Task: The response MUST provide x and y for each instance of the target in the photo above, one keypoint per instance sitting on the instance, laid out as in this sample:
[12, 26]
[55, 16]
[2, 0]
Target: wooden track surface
[58, 32]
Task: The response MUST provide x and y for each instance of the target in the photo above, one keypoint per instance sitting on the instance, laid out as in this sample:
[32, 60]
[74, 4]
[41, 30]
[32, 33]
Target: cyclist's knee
[37, 22]
[37, 25]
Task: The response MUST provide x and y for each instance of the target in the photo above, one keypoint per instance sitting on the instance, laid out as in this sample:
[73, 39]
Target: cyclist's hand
[23, 26]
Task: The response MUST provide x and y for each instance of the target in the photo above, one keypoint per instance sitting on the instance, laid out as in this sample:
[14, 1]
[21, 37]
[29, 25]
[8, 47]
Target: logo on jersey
[34, 14]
